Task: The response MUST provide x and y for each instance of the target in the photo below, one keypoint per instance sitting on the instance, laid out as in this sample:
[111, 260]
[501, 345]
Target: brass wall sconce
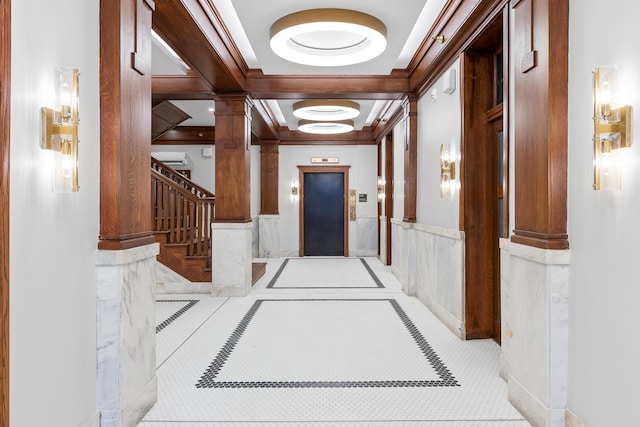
[60, 131]
[294, 191]
[381, 184]
[611, 130]
[447, 172]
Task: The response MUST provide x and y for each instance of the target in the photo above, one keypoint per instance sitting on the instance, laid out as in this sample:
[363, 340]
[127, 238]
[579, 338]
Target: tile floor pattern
[365, 357]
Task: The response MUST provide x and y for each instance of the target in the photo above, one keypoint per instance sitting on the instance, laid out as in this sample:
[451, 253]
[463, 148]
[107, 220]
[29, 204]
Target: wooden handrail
[178, 178]
[182, 209]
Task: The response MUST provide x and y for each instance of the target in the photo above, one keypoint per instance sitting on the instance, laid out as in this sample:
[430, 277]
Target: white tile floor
[306, 352]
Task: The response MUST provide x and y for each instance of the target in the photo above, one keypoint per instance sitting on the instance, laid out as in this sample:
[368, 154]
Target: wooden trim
[191, 86]
[388, 190]
[410, 159]
[378, 201]
[5, 110]
[187, 135]
[323, 169]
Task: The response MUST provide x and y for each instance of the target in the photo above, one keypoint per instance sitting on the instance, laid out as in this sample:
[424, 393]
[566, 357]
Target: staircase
[182, 213]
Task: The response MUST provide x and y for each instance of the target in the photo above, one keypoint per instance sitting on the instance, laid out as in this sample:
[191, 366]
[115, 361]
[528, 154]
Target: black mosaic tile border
[174, 316]
[207, 380]
[275, 278]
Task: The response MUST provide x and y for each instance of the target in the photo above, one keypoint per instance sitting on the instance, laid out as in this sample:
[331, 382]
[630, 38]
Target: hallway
[321, 342]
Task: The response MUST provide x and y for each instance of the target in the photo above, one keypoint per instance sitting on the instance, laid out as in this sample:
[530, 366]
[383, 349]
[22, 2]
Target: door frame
[5, 124]
[478, 177]
[344, 170]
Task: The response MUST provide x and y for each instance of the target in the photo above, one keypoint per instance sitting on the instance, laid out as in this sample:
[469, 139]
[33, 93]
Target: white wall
[202, 168]
[53, 236]
[603, 226]
[362, 177]
[439, 122]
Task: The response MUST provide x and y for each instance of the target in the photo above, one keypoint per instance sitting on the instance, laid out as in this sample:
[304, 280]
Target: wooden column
[269, 169]
[233, 142]
[5, 109]
[540, 51]
[410, 107]
[388, 190]
[125, 123]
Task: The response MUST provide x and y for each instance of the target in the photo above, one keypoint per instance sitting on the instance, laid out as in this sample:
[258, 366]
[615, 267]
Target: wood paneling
[125, 128]
[269, 170]
[233, 142]
[478, 201]
[388, 190]
[324, 169]
[540, 125]
[410, 158]
[195, 31]
[164, 117]
[5, 109]
[188, 135]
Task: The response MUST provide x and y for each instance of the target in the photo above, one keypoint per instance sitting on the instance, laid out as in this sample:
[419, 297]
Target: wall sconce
[611, 129]
[447, 172]
[381, 184]
[294, 191]
[60, 131]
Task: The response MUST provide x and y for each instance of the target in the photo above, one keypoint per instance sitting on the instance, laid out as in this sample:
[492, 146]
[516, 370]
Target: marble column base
[403, 255]
[366, 236]
[126, 325]
[383, 239]
[535, 345]
[269, 241]
[231, 259]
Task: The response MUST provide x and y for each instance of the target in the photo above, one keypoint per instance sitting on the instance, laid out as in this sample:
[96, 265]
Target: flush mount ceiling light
[325, 128]
[328, 37]
[326, 110]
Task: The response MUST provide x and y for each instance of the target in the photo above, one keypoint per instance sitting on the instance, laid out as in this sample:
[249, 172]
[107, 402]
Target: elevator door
[324, 214]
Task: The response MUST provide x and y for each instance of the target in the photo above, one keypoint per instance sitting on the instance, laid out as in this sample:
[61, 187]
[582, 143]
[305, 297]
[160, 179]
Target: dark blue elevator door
[324, 214]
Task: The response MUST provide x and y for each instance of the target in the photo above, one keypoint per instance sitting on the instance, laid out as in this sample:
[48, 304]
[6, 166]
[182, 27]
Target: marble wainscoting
[255, 236]
[366, 236]
[403, 255]
[126, 353]
[440, 273]
[231, 259]
[170, 282]
[383, 239]
[269, 236]
[535, 312]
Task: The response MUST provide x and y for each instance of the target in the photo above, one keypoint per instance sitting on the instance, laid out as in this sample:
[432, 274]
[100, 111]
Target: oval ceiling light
[326, 110]
[325, 128]
[328, 37]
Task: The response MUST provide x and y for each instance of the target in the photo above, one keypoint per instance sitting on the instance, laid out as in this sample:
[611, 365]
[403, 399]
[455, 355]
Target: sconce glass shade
[295, 193]
[611, 129]
[328, 37]
[325, 128]
[67, 97]
[326, 110]
[447, 172]
[381, 184]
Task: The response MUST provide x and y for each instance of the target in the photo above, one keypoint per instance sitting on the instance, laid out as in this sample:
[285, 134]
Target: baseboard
[504, 368]
[531, 408]
[454, 324]
[135, 411]
[92, 421]
[571, 420]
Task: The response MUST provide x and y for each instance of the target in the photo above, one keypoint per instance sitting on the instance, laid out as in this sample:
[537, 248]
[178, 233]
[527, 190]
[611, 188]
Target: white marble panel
[366, 236]
[255, 237]
[170, 282]
[383, 239]
[399, 246]
[269, 236]
[536, 315]
[231, 259]
[440, 273]
[505, 306]
[126, 334]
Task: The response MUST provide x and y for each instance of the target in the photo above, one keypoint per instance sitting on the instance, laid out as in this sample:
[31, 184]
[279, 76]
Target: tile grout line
[192, 333]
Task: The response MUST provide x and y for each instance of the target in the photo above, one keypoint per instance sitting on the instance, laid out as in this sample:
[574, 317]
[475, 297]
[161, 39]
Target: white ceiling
[249, 22]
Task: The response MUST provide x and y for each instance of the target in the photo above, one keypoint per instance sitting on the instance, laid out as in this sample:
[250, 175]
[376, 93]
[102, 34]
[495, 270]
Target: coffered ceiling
[225, 43]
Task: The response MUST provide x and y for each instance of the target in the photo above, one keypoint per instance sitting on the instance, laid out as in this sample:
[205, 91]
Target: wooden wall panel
[410, 159]
[5, 109]
[540, 122]
[233, 142]
[269, 170]
[125, 124]
[388, 190]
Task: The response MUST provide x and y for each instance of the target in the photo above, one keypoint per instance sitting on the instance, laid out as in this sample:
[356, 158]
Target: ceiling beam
[189, 135]
[196, 32]
[361, 137]
[165, 88]
[393, 86]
